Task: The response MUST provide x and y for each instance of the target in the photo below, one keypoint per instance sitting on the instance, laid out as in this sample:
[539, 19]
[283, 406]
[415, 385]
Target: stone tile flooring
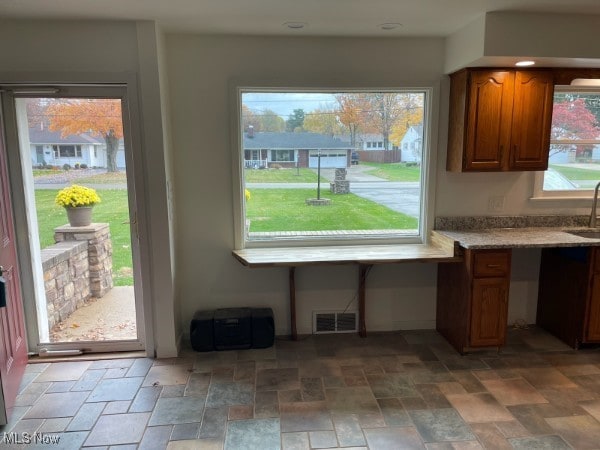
[389, 391]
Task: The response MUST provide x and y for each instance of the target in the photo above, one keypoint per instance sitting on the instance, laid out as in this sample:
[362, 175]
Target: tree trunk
[112, 146]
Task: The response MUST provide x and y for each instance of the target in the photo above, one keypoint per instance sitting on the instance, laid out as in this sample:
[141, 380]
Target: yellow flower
[75, 195]
[247, 194]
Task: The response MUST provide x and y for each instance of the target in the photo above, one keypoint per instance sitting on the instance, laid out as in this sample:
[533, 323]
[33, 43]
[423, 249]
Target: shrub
[83, 166]
[66, 166]
[76, 166]
[275, 166]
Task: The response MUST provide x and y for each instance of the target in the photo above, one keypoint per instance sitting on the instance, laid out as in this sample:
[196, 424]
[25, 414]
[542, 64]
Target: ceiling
[266, 17]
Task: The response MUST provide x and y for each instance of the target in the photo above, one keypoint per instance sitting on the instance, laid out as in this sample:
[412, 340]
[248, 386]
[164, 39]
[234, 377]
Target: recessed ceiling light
[525, 63]
[295, 25]
[389, 26]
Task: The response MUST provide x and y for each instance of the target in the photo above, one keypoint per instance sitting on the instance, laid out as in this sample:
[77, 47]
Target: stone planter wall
[76, 268]
[66, 279]
[97, 236]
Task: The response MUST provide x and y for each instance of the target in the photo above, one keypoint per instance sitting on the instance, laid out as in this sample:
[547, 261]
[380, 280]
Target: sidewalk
[111, 317]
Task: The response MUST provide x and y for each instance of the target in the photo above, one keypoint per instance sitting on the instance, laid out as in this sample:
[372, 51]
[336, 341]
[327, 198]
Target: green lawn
[285, 210]
[394, 171]
[573, 173]
[300, 175]
[113, 209]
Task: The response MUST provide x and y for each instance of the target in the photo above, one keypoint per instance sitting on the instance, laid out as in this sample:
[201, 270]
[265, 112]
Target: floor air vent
[334, 322]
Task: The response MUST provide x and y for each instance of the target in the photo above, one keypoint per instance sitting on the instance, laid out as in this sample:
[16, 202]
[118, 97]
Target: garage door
[329, 159]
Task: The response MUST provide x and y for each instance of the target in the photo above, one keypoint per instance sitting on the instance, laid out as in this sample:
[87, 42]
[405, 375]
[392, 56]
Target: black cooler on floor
[232, 328]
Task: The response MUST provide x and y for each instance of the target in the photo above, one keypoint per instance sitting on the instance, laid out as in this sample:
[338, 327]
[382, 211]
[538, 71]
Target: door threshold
[35, 359]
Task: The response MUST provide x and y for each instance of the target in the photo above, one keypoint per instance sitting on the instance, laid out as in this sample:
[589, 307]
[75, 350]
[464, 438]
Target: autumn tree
[97, 117]
[249, 117]
[351, 113]
[323, 121]
[385, 110]
[270, 121]
[410, 107]
[572, 120]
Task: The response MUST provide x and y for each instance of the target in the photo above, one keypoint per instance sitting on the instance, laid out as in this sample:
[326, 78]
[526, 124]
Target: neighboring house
[371, 142]
[49, 148]
[411, 145]
[263, 149]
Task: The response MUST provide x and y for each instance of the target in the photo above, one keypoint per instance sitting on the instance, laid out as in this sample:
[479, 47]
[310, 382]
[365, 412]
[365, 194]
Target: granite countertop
[525, 237]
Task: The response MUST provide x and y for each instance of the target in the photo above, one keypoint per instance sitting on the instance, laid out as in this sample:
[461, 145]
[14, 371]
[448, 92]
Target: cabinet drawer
[491, 264]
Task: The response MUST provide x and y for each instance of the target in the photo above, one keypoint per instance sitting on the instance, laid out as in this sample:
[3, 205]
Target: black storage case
[201, 331]
[232, 328]
[263, 327]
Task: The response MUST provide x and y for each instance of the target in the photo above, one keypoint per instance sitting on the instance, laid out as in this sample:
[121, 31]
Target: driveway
[399, 196]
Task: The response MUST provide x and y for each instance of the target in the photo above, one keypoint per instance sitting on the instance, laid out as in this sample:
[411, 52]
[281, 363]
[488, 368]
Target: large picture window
[574, 159]
[67, 151]
[306, 174]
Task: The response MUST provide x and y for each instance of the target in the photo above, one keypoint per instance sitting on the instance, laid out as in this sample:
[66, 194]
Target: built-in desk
[439, 249]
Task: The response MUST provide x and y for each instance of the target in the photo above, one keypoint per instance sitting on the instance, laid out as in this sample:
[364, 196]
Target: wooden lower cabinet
[472, 299]
[489, 311]
[569, 294]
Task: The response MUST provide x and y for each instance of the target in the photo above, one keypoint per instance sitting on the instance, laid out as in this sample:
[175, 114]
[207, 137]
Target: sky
[284, 103]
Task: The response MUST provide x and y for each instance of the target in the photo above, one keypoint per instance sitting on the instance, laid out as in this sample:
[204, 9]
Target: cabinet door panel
[489, 120]
[489, 311]
[531, 122]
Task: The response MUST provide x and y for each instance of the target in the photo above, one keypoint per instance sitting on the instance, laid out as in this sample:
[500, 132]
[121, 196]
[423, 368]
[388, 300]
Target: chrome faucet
[593, 215]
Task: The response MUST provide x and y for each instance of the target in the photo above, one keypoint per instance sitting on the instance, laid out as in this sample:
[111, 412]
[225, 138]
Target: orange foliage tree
[351, 113]
[97, 117]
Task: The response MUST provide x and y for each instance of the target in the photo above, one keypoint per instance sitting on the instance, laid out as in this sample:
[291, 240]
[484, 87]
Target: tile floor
[388, 391]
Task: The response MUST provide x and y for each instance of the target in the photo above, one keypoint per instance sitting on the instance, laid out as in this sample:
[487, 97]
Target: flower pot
[80, 216]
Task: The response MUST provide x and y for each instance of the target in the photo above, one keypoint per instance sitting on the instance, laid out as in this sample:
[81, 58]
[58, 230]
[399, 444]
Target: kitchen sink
[589, 234]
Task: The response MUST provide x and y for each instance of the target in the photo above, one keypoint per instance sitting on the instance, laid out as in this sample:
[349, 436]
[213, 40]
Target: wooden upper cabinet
[531, 120]
[488, 120]
[499, 120]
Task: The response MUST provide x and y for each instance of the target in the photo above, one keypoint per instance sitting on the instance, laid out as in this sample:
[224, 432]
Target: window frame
[430, 149]
[580, 196]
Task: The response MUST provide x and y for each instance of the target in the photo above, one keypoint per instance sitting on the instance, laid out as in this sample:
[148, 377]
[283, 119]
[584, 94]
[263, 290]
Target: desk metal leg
[362, 278]
[292, 282]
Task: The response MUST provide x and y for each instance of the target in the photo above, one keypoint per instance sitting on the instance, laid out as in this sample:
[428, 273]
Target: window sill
[571, 201]
[440, 249]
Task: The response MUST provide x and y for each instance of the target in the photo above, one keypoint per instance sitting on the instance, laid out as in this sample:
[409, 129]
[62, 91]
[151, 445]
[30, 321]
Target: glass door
[76, 158]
